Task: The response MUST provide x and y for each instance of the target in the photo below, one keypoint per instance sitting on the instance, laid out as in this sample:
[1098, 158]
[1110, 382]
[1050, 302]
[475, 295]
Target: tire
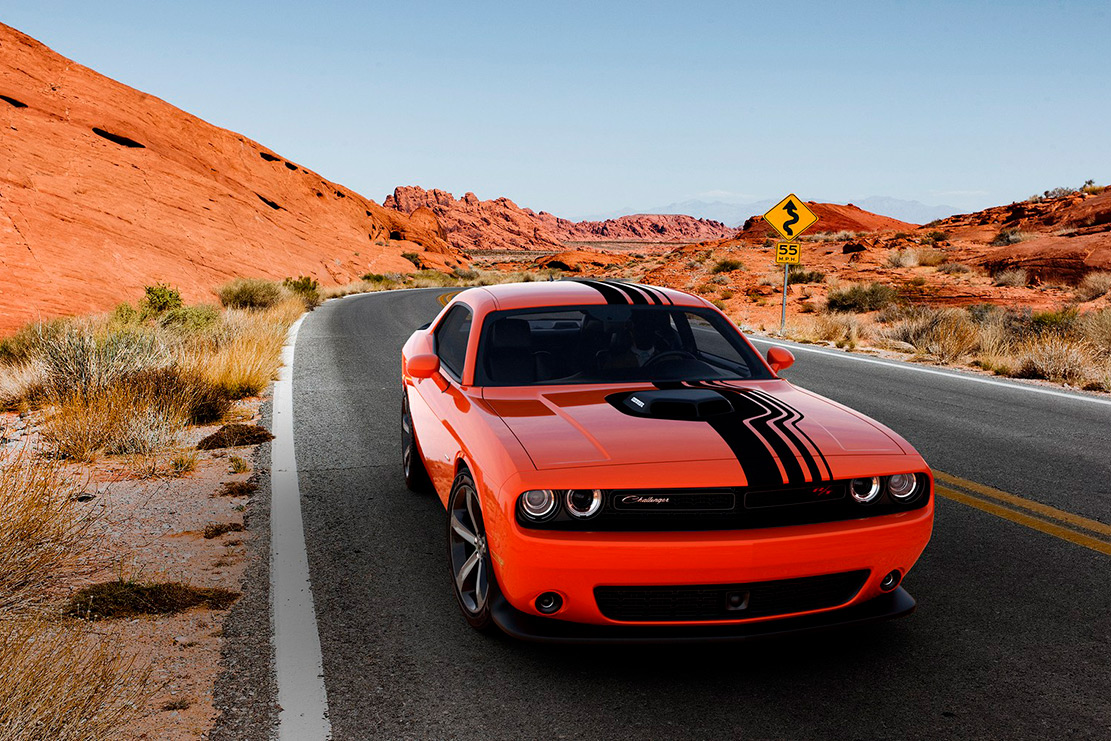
[472, 577]
[412, 464]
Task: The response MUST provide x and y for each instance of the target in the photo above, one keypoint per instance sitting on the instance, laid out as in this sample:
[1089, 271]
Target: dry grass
[947, 334]
[1054, 358]
[62, 684]
[123, 598]
[41, 530]
[1012, 278]
[844, 330]
[1093, 286]
[20, 384]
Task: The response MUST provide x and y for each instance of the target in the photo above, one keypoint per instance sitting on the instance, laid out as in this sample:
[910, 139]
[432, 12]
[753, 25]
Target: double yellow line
[1035, 515]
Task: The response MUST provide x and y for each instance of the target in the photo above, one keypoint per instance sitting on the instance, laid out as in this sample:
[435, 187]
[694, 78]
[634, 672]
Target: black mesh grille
[713, 601]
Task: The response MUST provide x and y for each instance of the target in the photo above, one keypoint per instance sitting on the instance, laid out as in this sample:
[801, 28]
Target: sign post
[790, 217]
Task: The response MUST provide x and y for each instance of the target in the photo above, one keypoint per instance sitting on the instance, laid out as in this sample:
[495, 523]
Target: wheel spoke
[461, 530]
[480, 586]
[467, 568]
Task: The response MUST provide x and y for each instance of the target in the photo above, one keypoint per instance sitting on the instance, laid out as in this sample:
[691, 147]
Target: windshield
[611, 344]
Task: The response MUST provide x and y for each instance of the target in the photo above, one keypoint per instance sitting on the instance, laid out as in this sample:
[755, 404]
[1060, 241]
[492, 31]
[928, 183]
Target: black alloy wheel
[416, 475]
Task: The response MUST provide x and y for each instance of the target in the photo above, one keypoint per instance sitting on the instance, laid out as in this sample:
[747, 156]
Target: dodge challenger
[618, 463]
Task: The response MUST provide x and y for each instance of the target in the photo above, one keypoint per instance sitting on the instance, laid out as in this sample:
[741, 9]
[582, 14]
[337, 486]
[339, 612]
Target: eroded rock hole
[291, 166]
[123, 141]
[395, 235]
[268, 202]
[13, 102]
[268, 157]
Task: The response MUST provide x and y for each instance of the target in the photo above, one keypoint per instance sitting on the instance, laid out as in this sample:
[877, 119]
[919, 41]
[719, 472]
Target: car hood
[777, 432]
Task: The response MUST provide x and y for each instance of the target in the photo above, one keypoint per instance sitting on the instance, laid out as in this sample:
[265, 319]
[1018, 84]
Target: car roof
[583, 292]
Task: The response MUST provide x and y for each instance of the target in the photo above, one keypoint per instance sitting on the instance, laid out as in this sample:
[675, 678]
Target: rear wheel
[468, 553]
[416, 475]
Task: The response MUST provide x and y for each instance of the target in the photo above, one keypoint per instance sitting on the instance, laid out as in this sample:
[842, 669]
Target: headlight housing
[538, 504]
[902, 486]
[865, 491]
[583, 503]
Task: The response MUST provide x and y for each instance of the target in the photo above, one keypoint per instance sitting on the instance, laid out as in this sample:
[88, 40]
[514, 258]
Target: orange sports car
[618, 463]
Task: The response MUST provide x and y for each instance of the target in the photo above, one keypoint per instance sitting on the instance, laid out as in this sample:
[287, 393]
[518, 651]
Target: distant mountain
[735, 214]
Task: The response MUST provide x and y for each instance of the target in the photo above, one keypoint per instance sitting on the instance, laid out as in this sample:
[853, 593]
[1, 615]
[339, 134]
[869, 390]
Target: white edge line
[933, 371]
[298, 661]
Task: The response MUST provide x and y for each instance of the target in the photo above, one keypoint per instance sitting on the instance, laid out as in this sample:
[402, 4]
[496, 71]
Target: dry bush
[948, 334]
[21, 383]
[62, 684]
[1012, 278]
[1010, 236]
[123, 598]
[86, 359]
[902, 258]
[953, 268]
[1055, 358]
[250, 293]
[41, 528]
[1093, 286]
[861, 298]
[840, 329]
[930, 257]
[1095, 327]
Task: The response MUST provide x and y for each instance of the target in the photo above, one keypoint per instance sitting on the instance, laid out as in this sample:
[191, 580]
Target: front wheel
[412, 465]
[468, 553]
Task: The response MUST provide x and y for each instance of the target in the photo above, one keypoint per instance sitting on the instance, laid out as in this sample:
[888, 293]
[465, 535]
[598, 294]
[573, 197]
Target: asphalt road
[1011, 638]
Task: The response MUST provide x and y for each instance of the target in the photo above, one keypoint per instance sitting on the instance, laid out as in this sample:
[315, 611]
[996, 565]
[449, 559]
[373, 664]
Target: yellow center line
[444, 298]
[1093, 526]
[1036, 516]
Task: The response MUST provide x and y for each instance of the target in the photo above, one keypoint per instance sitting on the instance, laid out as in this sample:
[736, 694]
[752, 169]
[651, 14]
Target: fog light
[549, 603]
[583, 503]
[865, 491]
[538, 503]
[903, 486]
[891, 580]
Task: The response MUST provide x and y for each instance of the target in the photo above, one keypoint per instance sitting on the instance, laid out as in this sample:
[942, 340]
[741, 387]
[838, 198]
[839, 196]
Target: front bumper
[548, 630]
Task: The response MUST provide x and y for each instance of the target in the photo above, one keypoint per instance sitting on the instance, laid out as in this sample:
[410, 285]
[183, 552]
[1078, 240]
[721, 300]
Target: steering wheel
[668, 356]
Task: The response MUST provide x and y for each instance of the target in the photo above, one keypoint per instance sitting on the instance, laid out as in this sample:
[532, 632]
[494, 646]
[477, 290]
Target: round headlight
[903, 486]
[583, 503]
[865, 491]
[538, 503]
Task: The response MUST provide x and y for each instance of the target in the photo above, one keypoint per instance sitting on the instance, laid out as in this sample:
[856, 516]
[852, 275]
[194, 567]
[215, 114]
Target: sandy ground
[149, 527]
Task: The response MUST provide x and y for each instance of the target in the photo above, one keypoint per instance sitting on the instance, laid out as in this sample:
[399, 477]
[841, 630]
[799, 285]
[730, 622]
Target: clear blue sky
[584, 108]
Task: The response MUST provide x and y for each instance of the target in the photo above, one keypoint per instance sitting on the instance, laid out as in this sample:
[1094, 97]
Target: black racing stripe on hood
[766, 424]
[757, 462]
[794, 424]
[788, 426]
[612, 295]
[636, 296]
[653, 296]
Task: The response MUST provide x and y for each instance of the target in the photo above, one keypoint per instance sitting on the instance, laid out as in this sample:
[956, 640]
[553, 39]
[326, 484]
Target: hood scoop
[682, 404]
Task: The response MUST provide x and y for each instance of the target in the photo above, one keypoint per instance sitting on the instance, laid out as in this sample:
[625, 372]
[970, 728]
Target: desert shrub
[189, 318]
[1093, 285]
[465, 273]
[249, 293]
[948, 334]
[727, 265]
[902, 258]
[237, 489]
[858, 298]
[414, 258]
[82, 361]
[726, 294]
[238, 465]
[27, 342]
[216, 529]
[42, 527]
[21, 385]
[1090, 188]
[1055, 358]
[929, 257]
[62, 684]
[1095, 327]
[935, 237]
[125, 315]
[1012, 278]
[307, 288]
[160, 298]
[241, 356]
[843, 331]
[1058, 321]
[705, 288]
[799, 274]
[118, 599]
[953, 268]
[183, 463]
[1008, 237]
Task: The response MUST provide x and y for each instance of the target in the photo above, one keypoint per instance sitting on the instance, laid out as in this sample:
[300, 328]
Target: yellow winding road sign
[790, 217]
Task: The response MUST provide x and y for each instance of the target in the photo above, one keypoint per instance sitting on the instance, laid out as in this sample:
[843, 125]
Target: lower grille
[728, 601]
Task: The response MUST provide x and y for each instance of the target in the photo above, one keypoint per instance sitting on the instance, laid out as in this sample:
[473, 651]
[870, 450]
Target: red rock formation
[501, 224]
[576, 261]
[831, 218]
[105, 189]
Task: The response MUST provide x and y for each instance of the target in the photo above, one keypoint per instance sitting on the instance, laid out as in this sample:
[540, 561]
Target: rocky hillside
[500, 224]
[105, 189]
[833, 218]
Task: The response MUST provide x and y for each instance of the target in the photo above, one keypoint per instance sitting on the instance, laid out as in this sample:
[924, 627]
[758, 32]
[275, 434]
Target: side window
[451, 339]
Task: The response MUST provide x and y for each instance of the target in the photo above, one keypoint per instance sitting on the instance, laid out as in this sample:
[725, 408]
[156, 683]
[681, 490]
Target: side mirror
[779, 358]
[423, 366]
